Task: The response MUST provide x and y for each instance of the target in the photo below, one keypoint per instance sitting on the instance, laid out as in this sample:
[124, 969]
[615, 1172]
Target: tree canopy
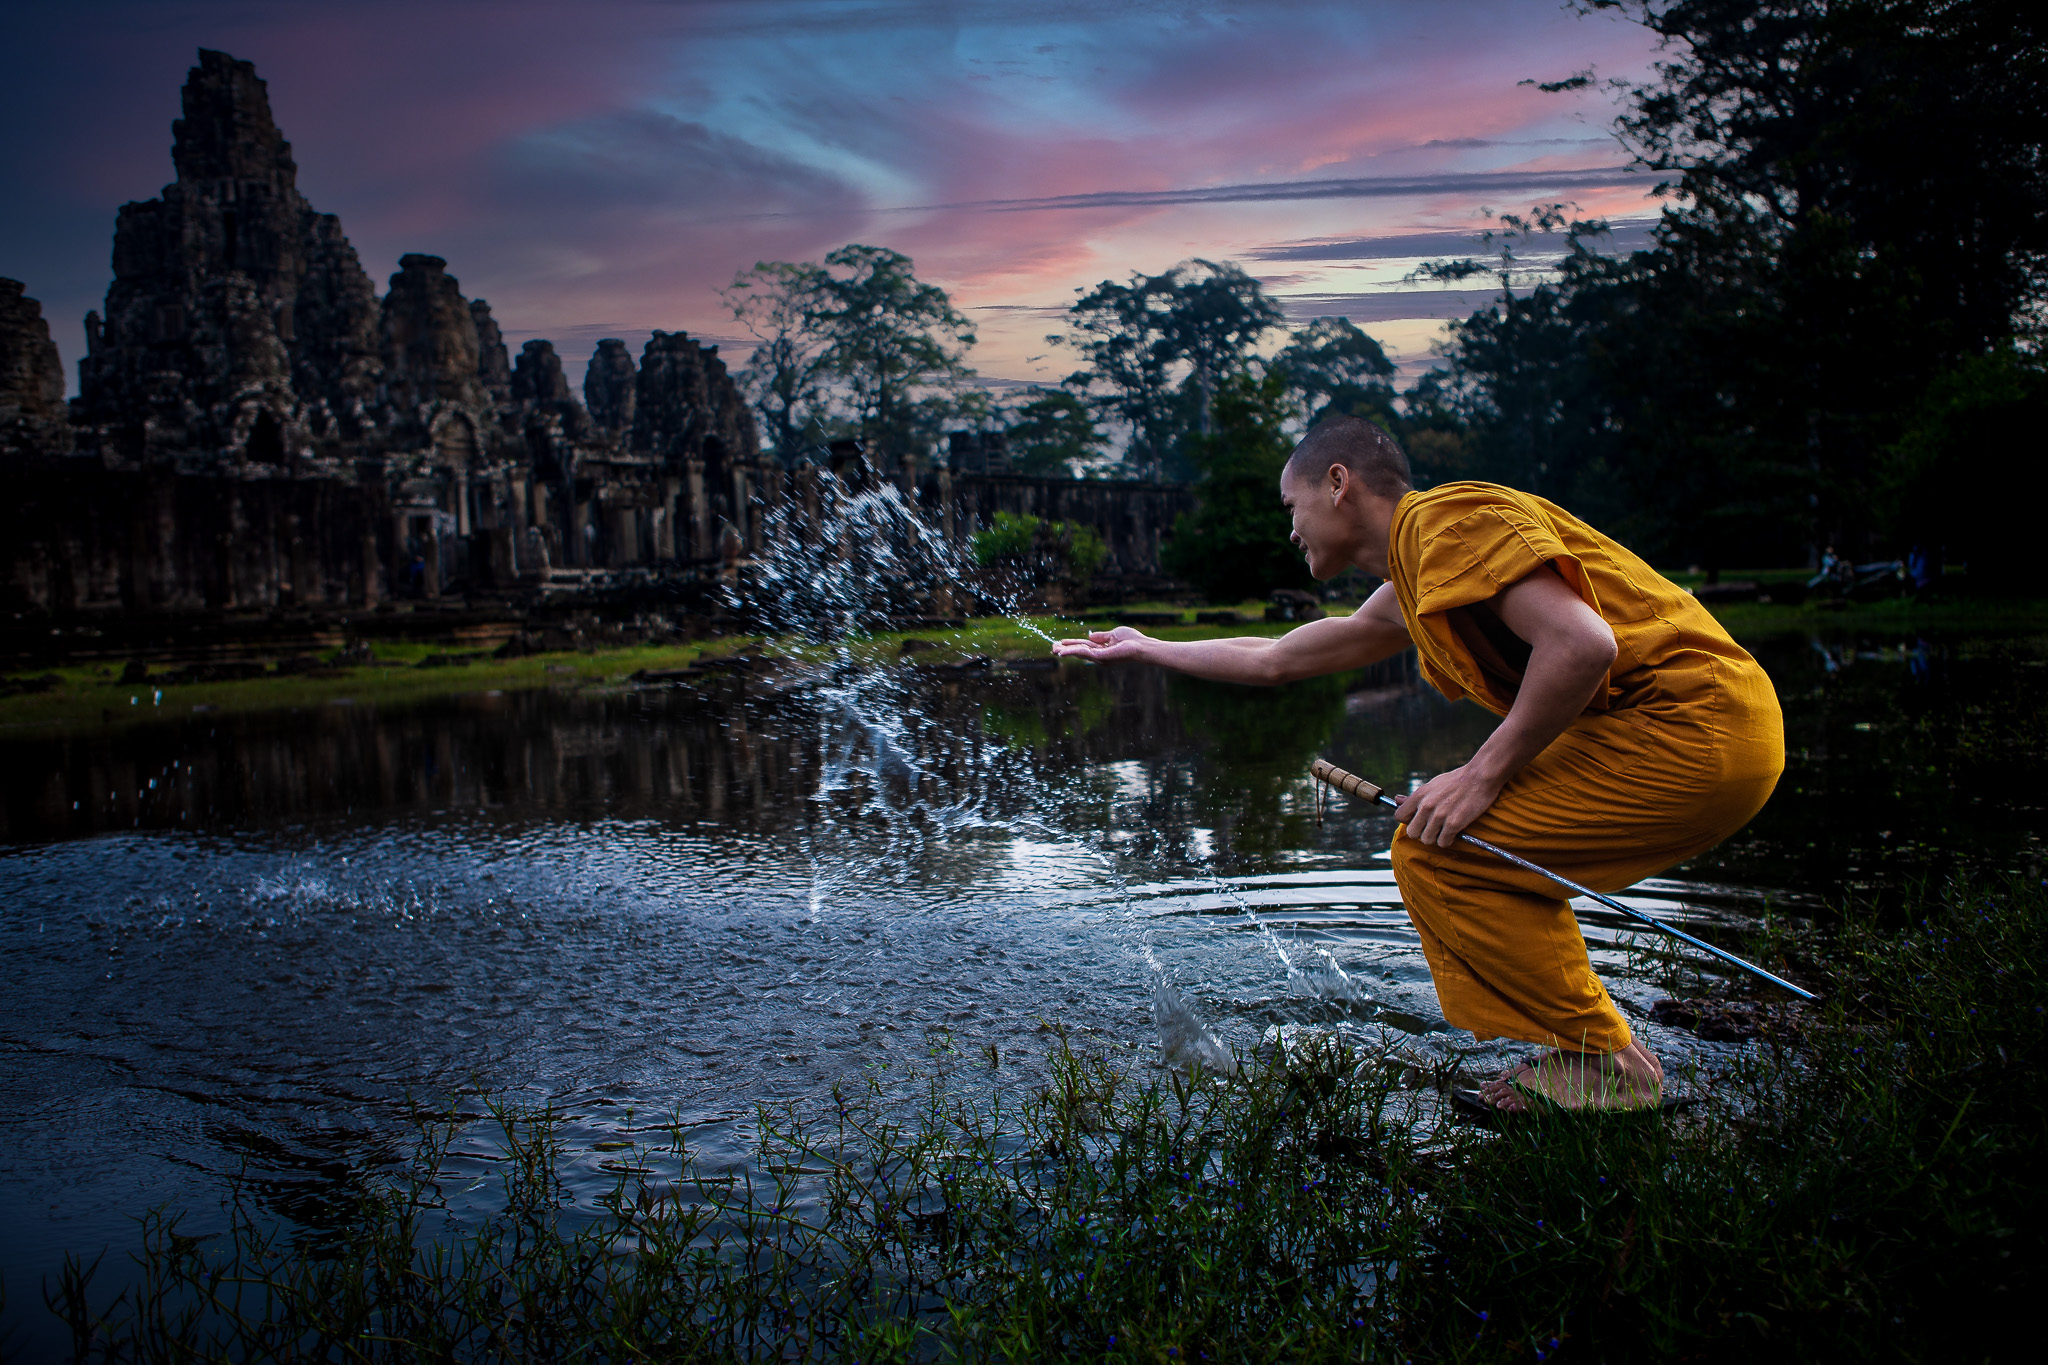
[1156, 350]
[1856, 220]
[857, 344]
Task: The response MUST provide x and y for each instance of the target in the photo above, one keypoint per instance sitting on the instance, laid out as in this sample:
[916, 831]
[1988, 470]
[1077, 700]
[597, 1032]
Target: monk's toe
[1502, 1094]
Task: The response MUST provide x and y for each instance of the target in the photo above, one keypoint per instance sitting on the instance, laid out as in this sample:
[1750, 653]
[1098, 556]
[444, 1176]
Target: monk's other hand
[1440, 809]
[1101, 646]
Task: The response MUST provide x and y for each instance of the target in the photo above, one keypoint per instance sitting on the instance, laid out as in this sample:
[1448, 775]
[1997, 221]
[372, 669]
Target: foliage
[1122, 332]
[1216, 315]
[1987, 416]
[1858, 210]
[888, 335]
[1333, 366]
[1845, 1184]
[1158, 348]
[1914, 127]
[1052, 434]
[860, 332]
[783, 377]
[1040, 550]
[1235, 544]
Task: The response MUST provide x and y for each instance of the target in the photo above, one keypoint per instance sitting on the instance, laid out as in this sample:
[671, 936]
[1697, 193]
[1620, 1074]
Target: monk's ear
[1340, 479]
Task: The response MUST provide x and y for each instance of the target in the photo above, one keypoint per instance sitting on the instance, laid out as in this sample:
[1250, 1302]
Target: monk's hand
[1442, 808]
[1102, 646]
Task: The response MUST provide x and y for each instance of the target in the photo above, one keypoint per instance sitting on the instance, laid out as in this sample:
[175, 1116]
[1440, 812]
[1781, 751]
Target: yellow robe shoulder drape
[1455, 546]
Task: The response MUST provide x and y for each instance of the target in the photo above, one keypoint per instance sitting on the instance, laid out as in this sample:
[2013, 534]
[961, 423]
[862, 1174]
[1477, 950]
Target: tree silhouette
[1158, 347]
[861, 333]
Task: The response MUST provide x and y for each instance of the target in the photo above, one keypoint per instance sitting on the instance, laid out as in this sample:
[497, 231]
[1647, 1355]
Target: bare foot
[1632, 1078]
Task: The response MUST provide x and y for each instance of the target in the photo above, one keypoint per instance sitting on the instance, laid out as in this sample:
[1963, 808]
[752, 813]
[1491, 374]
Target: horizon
[645, 157]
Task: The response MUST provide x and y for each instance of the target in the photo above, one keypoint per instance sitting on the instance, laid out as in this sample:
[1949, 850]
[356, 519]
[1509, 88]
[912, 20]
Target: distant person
[1920, 570]
[1837, 575]
[1636, 734]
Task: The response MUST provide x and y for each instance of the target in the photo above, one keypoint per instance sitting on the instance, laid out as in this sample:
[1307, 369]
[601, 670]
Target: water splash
[898, 792]
[1322, 980]
[1183, 1040]
[846, 557]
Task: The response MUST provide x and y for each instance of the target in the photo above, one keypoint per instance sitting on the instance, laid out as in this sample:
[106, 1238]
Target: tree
[1215, 315]
[1978, 425]
[1158, 348]
[889, 339]
[1123, 333]
[777, 302]
[1334, 366]
[1859, 207]
[1861, 193]
[860, 333]
[1917, 125]
[1052, 434]
[1235, 544]
[1513, 363]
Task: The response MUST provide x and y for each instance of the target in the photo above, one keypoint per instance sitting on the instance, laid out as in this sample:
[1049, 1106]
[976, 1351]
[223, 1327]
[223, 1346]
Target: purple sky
[601, 168]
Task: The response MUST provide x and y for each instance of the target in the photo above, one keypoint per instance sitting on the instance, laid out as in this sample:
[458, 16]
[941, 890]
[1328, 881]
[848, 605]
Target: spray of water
[1321, 979]
[898, 789]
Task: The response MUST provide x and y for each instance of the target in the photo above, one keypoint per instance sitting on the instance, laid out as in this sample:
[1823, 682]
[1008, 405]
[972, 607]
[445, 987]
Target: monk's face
[1338, 522]
[1323, 532]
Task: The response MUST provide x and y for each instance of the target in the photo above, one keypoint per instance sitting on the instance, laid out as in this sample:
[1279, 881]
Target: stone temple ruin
[256, 429]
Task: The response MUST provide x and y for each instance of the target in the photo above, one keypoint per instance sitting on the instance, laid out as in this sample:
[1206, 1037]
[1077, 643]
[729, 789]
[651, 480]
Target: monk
[1634, 734]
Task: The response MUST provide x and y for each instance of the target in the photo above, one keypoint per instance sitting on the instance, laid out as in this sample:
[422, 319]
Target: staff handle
[1329, 774]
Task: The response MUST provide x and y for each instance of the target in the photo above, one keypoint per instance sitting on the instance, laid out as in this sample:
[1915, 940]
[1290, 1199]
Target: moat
[259, 937]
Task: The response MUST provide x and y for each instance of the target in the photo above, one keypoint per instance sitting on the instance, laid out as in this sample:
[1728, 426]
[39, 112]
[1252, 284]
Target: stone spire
[493, 368]
[336, 333]
[32, 414]
[540, 385]
[231, 297]
[608, 387]
[684, 405]
[537, 375]
[227, 132]
[430, 338]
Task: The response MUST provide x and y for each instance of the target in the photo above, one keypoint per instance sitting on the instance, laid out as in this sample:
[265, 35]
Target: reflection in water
[243, 941]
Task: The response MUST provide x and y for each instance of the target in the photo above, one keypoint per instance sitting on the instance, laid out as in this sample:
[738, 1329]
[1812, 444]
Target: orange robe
[1678, 752]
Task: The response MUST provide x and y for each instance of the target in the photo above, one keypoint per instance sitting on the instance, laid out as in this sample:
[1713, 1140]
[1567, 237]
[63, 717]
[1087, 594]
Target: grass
[92, 697]
[1861, 1182]
[1898, 616]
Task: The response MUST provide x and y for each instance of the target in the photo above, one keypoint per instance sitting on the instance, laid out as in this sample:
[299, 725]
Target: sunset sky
[599, 169]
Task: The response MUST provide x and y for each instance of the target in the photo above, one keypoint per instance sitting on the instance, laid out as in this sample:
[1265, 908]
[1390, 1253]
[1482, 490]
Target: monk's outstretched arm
[1570, 652]
[1336, 643]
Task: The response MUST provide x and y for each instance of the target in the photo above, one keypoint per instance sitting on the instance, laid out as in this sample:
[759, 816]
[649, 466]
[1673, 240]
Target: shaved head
[1373, 457]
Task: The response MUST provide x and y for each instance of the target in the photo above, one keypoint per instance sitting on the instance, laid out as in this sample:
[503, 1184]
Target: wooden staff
[1351, 784]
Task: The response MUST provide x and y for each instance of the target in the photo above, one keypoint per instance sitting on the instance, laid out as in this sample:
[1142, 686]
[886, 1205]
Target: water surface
[236, 946]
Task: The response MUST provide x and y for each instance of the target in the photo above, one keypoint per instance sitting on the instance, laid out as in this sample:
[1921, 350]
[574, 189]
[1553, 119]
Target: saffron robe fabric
[1677, 752]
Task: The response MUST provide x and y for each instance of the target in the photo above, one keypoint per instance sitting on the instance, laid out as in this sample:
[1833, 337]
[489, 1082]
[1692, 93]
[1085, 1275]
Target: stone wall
[88, 539]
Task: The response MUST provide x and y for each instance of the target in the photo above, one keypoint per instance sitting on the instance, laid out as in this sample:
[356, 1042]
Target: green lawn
[92, 695]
